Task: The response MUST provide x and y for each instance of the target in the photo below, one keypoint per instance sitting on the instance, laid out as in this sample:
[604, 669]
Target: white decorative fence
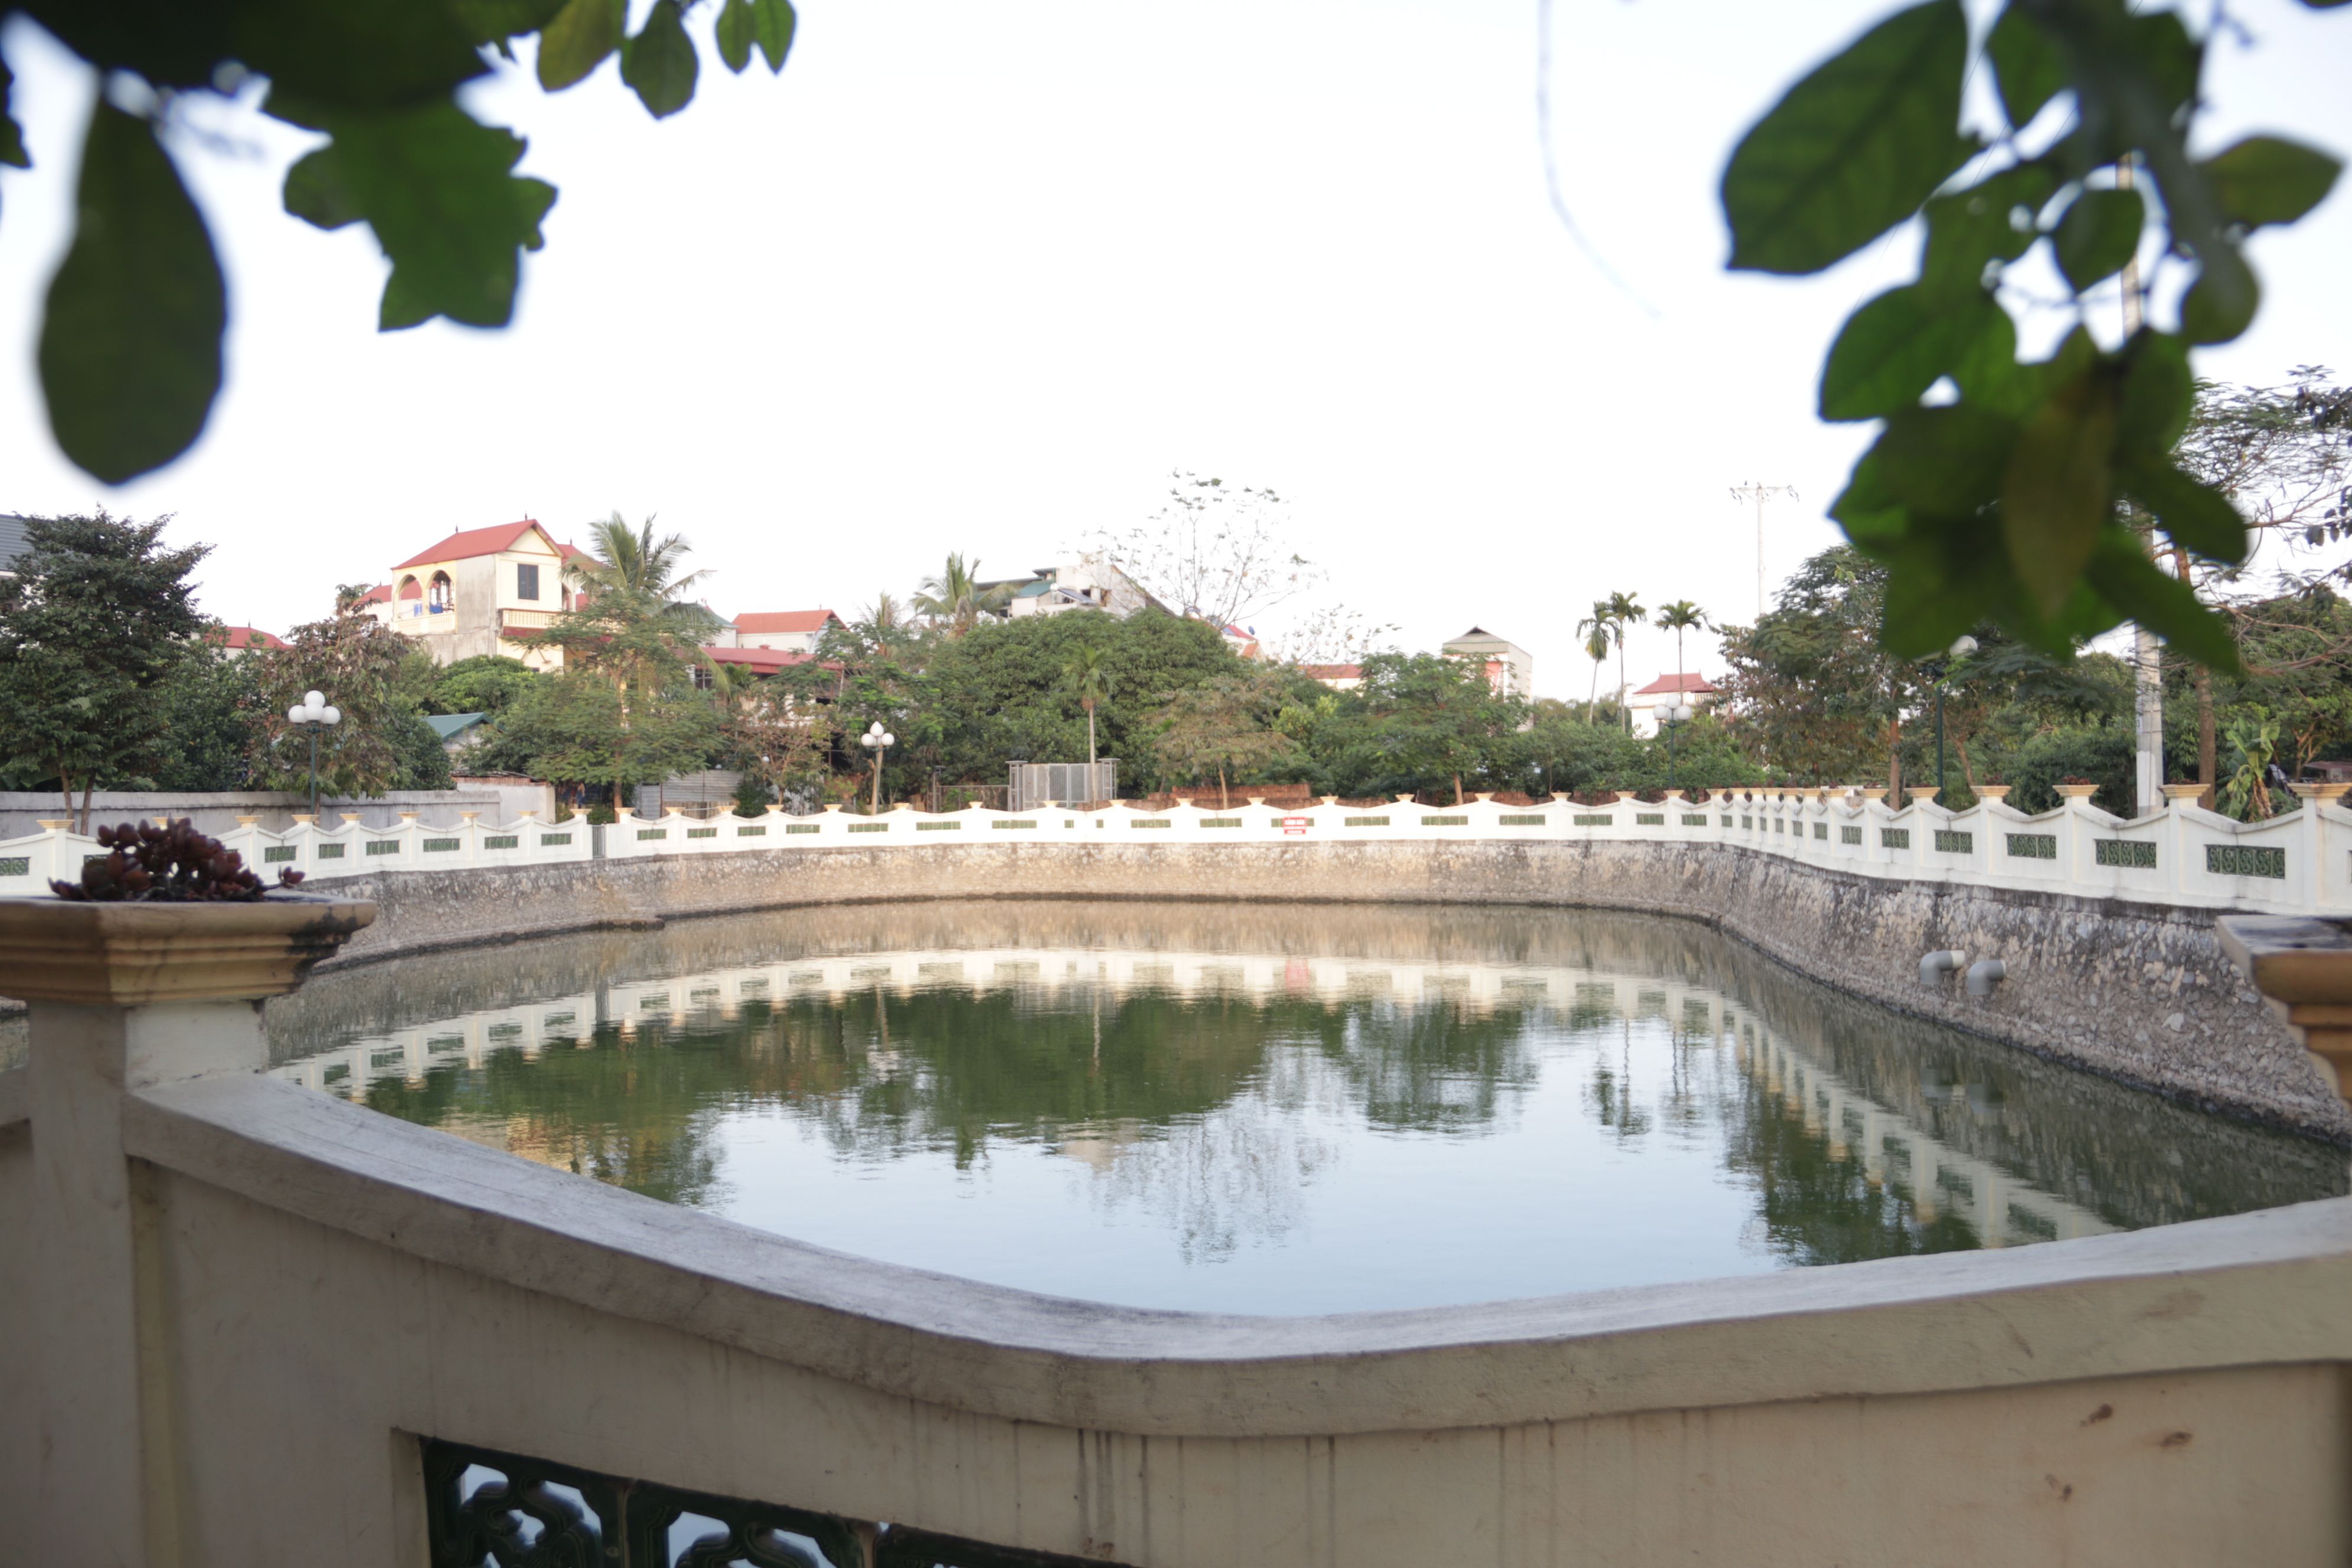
[2182, 855]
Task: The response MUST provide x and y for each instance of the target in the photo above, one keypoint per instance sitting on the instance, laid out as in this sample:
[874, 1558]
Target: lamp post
[1671, 716]
[313, 713]
[877, 741]
[1961, 647]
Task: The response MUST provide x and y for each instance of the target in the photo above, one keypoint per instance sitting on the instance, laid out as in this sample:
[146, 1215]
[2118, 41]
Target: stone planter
[139, 954]
[2076, 792]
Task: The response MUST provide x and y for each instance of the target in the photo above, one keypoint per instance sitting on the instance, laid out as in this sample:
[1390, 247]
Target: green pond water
[1262, 1109]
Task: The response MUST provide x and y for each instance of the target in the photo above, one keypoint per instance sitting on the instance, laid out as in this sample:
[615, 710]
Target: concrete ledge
[2138, 993]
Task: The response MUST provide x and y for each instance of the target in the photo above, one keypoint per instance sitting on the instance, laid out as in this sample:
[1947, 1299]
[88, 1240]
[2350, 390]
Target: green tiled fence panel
[1820, 830]
[1594, 819]
[752, 830]
[1726, 821]
[1649, 820]
[1155, 822]
[1849, 834]
[2141, 856]
[645, 833]
[1746, 821]
[702, 833]
[554, 840]
[1367, 822]
[1693, 819]
[1215, 822]
[383, 845]
[2244, 861]
[326, 851]
[869, 827]
[443, 846]
[1779, 824]
[1521, 820]
[1445, 822]
[272, 853]
[1950, 843]
[17, 866]
[503, 841]
[1001, 822]
[939, 828]
[2037, 846]
[1894, 838]
[800, 827]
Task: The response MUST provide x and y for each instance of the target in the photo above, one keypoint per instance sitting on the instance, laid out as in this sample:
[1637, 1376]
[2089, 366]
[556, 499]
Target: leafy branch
[2018, 495]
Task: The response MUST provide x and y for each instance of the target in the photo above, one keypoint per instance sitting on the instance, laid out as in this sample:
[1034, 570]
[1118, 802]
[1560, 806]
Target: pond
[1266, 1109]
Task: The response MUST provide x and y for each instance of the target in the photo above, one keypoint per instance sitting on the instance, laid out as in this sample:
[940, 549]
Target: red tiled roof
[468, 543]
[250, 636]
[379, 594]
[1334, 671]
[767, 660]
[785, 621]
[1676, 683]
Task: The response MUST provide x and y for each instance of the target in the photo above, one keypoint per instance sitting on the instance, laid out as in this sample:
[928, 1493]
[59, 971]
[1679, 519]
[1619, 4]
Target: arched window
[443, 594]
[412, 598]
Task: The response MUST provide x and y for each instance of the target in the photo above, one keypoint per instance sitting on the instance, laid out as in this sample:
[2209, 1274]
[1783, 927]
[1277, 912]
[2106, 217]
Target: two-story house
[1511, 670]
[787, 631]
[480, 591]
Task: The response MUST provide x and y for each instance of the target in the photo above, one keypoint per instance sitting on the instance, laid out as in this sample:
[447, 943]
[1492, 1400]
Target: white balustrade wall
[2183, 855]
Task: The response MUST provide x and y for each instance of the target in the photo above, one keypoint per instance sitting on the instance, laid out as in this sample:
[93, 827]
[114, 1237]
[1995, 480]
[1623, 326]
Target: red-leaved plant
[166, 865]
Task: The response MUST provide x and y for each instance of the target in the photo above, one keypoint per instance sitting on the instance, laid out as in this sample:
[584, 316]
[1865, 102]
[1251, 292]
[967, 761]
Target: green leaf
[495, 21]
[2158, 394]
[354, 54]
[435, 186]
[2265, 180]
[1854, 148]
[734, 31]
[1926, 606]
[130, 344]
[2129, 580]
[1979, 223]
[2026, 63]
[1896, 346]
[1871, 517]
[1946, 460]
[12, 135]
[2196, 515]
[2099, 233]
[775, 22]
[577, 41]
[2056, 493]
[2220, 304]
[659, 63]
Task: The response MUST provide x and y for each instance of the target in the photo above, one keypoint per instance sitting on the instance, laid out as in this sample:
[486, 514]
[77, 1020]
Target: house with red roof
[1695, 692]
[479, 591]
[790, 631]
[241, 640]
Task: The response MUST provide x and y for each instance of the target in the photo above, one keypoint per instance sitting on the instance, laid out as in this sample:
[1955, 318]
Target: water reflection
[1266, 1109]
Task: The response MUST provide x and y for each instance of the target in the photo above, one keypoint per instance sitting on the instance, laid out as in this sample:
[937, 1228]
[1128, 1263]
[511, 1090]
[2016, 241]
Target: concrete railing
[2184, 855]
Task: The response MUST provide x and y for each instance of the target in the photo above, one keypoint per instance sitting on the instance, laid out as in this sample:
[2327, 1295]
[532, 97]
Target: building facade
[1510, 668]
[481, 591]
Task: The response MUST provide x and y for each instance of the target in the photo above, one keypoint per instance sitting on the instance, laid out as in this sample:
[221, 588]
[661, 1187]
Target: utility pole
[2147, 655]
[1759, 494]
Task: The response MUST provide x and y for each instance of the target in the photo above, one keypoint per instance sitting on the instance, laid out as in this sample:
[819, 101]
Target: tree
[2012, 502]
[636, 566]
[207, 702]
[956, 600]
[1088, 677]
[1224, 725]
[487, 683]
[1215, 552]
[1809, 682]
[1596, 629]
[578, 727]
[1625, 611]
[381, 744]
[1418, 720]
[130, 353]
[94, 619]
[1678, 617]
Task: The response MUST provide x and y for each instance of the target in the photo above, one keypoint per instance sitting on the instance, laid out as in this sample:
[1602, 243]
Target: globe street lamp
[1961, 647]
[877, 741]
[1671, 715]
[313, 713]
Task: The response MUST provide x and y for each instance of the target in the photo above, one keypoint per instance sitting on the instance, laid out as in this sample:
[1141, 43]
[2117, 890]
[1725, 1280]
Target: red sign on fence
[1296, 824]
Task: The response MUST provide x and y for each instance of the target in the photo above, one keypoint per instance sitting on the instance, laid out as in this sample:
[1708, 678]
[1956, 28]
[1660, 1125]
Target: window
[527, 581]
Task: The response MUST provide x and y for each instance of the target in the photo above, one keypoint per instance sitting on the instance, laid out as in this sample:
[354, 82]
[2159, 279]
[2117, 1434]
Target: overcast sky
[978, 278]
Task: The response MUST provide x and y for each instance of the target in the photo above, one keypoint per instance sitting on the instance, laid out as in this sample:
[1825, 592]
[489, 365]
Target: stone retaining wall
[2134, 992]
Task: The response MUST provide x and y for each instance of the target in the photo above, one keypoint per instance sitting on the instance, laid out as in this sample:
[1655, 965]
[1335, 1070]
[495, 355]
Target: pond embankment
[2139, 993]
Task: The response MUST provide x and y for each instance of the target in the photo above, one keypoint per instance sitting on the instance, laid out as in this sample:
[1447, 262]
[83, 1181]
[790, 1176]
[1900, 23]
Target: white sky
[978, 277]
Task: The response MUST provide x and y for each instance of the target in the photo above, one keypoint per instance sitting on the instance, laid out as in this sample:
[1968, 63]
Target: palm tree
[1678, 617]
[1088, 674]
[956, 598]
[1624, 610]
[636, 563]
[883, 624]
[1596, 629]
